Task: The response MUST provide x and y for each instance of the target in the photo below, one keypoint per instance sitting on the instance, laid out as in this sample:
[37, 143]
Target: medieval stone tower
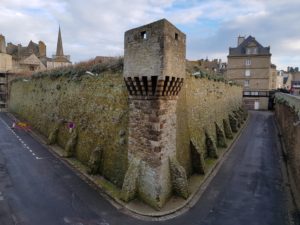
[154, 70]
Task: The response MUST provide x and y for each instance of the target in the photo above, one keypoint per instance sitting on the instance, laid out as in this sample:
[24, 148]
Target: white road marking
[38, 158]
[22, 142]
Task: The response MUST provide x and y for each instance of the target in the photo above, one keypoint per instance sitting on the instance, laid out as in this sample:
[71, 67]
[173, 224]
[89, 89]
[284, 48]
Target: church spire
[59, 48]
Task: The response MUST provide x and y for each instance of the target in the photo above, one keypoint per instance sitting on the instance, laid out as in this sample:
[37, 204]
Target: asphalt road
[38, 189]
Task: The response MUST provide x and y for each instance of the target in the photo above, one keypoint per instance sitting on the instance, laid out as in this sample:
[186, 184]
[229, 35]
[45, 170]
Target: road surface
[37, 189]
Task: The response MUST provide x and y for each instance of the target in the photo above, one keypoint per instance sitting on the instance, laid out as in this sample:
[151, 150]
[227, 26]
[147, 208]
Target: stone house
[249, 64]
[295, 83]
[31, 58]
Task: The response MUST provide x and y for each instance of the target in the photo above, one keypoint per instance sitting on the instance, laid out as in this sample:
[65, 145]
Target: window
[246, 83]
[248, 62]
[144, 35]
[176, 36]
[251, 51]
[247, 73]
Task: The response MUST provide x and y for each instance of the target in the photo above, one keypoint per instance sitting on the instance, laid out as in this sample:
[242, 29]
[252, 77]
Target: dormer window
[251, 50]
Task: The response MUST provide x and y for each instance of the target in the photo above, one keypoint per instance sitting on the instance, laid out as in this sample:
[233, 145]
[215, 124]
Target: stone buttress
[154, 70]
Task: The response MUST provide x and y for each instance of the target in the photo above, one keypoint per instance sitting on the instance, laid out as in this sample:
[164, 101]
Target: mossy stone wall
[98, 105]
[201, 104]
[287, 113]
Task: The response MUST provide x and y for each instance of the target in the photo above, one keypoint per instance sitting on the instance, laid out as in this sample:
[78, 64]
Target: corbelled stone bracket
[145, 86]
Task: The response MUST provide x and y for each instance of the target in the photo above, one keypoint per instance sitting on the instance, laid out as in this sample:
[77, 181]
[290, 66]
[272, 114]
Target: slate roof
[249, 41]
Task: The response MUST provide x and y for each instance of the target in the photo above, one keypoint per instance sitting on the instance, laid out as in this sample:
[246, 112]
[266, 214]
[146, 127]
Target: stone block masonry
[154, 50]
[203, 105]
[287, 112]
[98, 106]
[154, 70]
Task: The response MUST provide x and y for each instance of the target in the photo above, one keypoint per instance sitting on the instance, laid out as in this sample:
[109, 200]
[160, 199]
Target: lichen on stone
[71, 144]
[227, 129]
[52, 138]
[211, 147]
[221, 140]
[233, 123]
[178, 178]
[95, 161]
[198, 163]
[129, 188]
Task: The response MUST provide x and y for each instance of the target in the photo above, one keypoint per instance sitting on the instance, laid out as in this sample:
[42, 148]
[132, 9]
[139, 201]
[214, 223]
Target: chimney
[42, 49]
[2, 44]
[241, 39]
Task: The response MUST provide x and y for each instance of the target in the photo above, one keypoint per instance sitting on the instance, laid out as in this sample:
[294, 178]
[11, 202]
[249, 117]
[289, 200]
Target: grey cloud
[95, 27]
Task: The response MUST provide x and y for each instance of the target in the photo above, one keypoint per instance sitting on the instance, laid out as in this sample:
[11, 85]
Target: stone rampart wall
[202, 105]
[98, 106]
[287, 111]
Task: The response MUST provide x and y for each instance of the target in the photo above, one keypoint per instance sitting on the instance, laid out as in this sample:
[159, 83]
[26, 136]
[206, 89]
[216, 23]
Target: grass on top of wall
[93, 67]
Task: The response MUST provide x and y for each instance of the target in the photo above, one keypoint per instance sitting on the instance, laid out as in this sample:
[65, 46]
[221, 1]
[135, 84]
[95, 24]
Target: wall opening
[176, 36]
[144, 35]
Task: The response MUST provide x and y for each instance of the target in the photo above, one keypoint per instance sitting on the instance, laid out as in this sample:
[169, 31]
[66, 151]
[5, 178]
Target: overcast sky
[96, 27]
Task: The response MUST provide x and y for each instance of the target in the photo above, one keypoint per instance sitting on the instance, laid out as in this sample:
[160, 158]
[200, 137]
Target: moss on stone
[244, 112]
[211, 148]
[52, 138]
[178, 178]
[221, 140]
[227, 129]
[197, 157]
[94, 164]
[71, 144]
[129, 188]
[233, 123]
